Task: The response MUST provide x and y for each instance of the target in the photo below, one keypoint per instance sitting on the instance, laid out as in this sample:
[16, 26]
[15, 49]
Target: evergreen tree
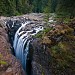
[7, 7]
[66, 8]
[27, 7]
[13, 7]
[19, 6]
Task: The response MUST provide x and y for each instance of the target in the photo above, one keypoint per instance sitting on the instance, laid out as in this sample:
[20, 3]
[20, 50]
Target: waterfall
[22, 40]
[17, 35]
[26, 52]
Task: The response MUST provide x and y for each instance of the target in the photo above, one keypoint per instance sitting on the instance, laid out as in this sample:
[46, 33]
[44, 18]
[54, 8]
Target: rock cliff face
[9, 65]
[54, 54]
[51, 54]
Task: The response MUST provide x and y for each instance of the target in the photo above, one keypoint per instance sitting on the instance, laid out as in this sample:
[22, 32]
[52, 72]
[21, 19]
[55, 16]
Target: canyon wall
[9, 65]
[54, 54]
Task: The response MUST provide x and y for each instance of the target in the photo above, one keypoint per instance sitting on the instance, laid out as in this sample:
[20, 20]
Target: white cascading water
[21, 42]
[17, 35]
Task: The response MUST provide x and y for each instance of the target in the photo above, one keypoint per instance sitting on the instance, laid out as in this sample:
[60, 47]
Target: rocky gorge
[9, 65]
[44, 52]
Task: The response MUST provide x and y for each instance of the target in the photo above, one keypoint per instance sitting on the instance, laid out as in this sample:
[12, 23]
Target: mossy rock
[3, 62]
[1, 55]
[46, 40]
[39, 35]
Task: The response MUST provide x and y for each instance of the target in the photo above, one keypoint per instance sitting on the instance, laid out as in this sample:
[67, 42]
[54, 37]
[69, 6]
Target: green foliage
[10, 7]
[63, 55]
[17, 13]
[39, 5]
[66, 8]
[55, 49]
[43, 73]
[46, 30]
[67, 20]
[39, 35]
[42, 33]
[46, 18]
[14, 7]
[0, 55]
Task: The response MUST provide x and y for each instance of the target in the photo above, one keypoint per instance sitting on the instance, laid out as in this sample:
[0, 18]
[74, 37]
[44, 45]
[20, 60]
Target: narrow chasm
[21, 34]
[13, 26]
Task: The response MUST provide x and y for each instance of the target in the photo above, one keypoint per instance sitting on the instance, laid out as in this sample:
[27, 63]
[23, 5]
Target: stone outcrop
[9, 65]
[55, 53]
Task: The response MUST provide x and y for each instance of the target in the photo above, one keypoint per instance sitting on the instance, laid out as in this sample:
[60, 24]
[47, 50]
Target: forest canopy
[17, 7]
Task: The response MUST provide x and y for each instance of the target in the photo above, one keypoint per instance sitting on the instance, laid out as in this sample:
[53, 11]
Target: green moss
[67, 20]
[47, 30]
[42, 33]
[3, 62]
[63, 56]
[43, 73]
[55, 49]
[0, 55]
[62, 46]
[39, 35]
[62, 64]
